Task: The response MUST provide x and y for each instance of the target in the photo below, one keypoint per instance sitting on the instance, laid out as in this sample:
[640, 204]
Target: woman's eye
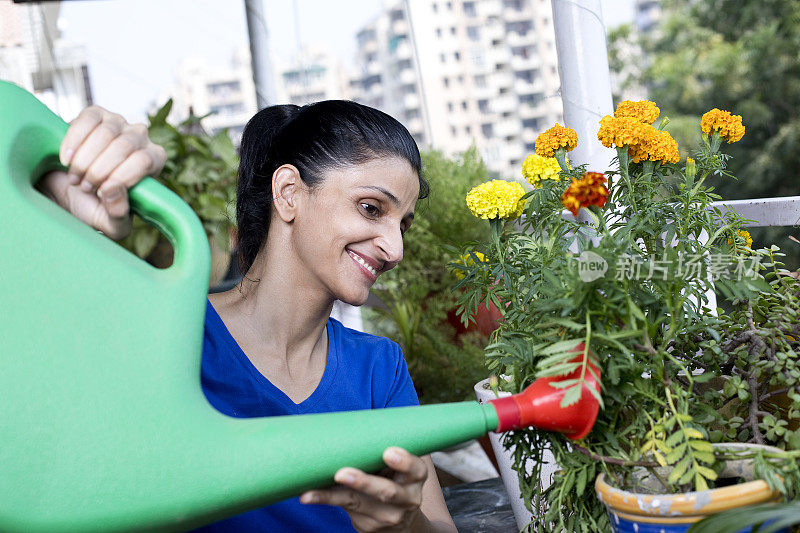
[370, 209]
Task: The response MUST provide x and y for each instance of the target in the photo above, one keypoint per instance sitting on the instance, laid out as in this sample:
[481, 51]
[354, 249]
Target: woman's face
[350, 228]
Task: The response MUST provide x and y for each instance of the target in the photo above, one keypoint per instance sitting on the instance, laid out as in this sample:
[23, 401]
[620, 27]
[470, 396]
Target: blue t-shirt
[362, 372]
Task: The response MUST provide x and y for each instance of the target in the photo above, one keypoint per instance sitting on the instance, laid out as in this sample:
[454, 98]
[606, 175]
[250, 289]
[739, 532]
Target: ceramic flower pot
[631, 512]
[505, 462]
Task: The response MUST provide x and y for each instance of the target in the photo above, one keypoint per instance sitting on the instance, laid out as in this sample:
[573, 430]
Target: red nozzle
[539, 405]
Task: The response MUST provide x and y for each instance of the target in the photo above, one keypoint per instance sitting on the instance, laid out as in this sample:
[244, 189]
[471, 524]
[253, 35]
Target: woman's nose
[391, 245]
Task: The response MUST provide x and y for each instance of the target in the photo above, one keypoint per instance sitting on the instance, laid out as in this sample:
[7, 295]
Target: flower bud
[691, 168]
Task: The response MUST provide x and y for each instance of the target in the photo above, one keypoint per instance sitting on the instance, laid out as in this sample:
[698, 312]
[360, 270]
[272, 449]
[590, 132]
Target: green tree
[738, 55]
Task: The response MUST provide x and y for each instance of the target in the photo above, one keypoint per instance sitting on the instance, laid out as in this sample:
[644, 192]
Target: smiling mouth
[358, 259]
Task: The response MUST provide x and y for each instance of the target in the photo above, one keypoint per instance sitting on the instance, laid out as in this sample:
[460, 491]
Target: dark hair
[314, 138]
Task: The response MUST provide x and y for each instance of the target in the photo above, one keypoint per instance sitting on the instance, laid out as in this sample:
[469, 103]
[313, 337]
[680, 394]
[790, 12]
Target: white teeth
[363, 263]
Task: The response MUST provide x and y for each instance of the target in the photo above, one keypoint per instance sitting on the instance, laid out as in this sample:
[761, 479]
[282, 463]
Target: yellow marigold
[590, 189]
[747, 240]
[657, 146]
[466, 259]
[729, 126]
[496, 199]
[643, 110]
[536, 168]
[556, 137]
[624, 131]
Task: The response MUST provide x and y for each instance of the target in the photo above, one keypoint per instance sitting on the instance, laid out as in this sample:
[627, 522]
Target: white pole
[259, 52]
[585, 80]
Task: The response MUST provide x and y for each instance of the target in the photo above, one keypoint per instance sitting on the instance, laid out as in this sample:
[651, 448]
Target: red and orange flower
[590, 189]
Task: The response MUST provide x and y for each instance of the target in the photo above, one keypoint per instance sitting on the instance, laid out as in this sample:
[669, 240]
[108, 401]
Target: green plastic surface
[103, 424]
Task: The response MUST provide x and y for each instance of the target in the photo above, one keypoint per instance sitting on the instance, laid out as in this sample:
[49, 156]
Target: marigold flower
[747, 240]
[556, 137]
[644, 110]
[496, 199]
[590, 189]
[644, 142]
[657, 146]
[466, 259]
[623, 131]
[536, 168]
[729, 126]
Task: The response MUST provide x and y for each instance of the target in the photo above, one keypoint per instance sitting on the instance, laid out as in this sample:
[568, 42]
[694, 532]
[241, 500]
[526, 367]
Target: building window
[473, 33]
[457, 55]
[225, 88]
[452, 30]
[449, 6]
[435, 8]
[464, 105]
[468, 130]
[453, 130]
[530, 147]
[450, 106]
[477, 58]
[469, 9]
[480, 81]
[486, 130]
[442, 58]
[439, 32]
[446, 81]
[460, 79]
[396, 14]
[532, 123]
[483, 106]
[411, 114]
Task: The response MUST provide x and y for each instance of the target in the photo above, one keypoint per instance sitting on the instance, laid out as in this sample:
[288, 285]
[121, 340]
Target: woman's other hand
[105, 157]
[410, 501]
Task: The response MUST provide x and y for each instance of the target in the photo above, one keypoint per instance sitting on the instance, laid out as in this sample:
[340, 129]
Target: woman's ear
[286, 184]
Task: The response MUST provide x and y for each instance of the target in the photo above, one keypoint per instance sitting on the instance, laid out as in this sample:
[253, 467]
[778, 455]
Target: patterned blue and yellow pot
[632, 512]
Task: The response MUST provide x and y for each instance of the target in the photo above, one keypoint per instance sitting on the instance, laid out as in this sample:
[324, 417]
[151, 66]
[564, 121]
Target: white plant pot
[505, 462]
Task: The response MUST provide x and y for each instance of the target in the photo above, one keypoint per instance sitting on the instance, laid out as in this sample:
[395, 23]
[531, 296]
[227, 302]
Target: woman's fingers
[409, 468]
[79, 129]
[366, 513]
[92, 145]
[115, 153]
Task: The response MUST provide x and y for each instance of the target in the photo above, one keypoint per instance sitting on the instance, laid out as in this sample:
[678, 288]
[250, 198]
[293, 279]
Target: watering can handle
[31, 139]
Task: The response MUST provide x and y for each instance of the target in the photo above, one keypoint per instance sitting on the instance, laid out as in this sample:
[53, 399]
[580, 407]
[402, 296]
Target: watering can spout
[540, 405]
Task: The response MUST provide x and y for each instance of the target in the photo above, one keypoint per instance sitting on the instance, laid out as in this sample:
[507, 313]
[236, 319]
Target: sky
[131, 64]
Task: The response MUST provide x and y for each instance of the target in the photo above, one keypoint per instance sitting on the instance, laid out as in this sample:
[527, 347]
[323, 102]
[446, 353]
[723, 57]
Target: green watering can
[103, 423]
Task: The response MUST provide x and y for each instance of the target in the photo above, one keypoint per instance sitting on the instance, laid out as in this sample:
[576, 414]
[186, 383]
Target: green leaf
[161, 115]
[679, 470]
[571, 396]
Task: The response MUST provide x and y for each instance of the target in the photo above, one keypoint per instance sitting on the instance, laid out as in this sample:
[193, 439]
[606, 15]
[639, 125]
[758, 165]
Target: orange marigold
[590, 189]
[556, 137]
[643, 110]
[624, 131]
[657, 146]
[729, 126]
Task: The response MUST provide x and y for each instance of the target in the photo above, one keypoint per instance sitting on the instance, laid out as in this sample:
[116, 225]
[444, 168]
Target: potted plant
[202, 170]
[629, 271]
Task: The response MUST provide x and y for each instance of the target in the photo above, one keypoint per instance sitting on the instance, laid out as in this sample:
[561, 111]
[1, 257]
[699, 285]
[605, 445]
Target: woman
[325, 194]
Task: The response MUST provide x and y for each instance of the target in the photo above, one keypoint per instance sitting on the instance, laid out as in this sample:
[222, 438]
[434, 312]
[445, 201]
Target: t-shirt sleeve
[402, 392]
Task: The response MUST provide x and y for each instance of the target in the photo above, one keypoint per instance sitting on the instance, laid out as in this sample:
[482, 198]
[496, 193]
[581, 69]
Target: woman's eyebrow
[389, 195]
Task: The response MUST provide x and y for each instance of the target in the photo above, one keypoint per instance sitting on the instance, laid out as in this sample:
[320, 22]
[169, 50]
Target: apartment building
[34, 56]
[226, 91]
[463, 72]
[312, 75]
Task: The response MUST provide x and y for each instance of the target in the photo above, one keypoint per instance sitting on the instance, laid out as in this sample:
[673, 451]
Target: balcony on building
[517, 10]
